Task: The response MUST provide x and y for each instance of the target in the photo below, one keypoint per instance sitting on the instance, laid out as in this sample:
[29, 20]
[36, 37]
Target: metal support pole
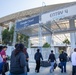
[15, 35]
[52, 42]
[29, 43]
[40, 36]
[40, 29]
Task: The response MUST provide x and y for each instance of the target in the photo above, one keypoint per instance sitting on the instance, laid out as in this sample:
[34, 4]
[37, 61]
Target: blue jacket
[18, 63]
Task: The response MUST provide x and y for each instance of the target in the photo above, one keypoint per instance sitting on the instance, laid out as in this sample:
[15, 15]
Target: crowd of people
[63, 58]
[19, 61]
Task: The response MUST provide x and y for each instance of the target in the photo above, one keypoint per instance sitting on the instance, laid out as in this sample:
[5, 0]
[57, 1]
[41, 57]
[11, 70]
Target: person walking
[4, 56]
[51, 59]
[37, 58]
[73, 59]
[18, 62]
[63, 60]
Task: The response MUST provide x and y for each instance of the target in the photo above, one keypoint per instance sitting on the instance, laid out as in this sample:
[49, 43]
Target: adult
[37, 58]
[18, 62]
[73, 59]
[4, 56]
[63, 60]
[51, 59]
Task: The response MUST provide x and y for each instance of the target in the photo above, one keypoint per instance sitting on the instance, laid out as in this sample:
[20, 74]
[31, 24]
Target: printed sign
[27, 22]
[57, 14]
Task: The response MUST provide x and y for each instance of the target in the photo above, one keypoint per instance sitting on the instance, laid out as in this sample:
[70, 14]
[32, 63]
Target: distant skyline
[8, 7]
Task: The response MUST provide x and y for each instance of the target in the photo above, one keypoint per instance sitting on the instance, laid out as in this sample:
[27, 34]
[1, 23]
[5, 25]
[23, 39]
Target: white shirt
[73, 58]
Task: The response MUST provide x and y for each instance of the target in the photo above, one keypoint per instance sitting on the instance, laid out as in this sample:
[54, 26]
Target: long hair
[19, 49]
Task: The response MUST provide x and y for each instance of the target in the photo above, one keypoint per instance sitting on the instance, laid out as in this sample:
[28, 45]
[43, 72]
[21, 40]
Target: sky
[8, 7]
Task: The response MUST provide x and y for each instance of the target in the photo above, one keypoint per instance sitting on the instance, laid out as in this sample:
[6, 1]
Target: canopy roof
[55, 26]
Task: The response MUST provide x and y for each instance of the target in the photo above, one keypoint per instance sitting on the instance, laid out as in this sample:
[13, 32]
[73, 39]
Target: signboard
[61, 13]
[27, 22]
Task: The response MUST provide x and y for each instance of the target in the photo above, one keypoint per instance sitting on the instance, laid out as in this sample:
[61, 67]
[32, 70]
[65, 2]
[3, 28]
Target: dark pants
[28, 67]
[1, 67]
[37, 65]
[1, 64]
[3, 73]
[73, 70]
[63, 68]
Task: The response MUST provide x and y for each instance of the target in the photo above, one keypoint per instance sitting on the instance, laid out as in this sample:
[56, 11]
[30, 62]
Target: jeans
[1, 64]
[18, 74]
[63, 69]
[52, 66]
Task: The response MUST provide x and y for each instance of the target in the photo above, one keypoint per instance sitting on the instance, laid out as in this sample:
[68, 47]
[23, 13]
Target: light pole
[40, 28]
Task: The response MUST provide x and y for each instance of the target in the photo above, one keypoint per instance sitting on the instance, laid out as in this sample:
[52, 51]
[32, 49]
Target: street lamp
[40, 28]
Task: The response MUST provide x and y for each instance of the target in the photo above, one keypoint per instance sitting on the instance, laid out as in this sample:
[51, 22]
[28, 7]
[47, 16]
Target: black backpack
[63, 57]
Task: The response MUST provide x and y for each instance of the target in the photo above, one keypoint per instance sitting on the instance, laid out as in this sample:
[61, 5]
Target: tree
[11, 32]
[23, 39]
[46, 45]
[66, 41]
[5, 36]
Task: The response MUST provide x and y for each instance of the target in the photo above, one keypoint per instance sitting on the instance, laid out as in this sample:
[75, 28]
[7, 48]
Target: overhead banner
[61, 13]
[27, 22]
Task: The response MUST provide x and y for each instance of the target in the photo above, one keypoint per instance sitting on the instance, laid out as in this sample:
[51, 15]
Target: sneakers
[51, 71]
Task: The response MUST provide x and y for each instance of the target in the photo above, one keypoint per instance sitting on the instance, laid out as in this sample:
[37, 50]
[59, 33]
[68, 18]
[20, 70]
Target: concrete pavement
[46, 70]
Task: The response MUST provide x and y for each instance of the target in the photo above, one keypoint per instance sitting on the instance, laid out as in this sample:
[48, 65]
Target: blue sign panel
[27, 22]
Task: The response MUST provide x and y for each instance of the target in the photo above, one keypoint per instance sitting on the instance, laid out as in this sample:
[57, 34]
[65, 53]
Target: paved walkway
[45, 71]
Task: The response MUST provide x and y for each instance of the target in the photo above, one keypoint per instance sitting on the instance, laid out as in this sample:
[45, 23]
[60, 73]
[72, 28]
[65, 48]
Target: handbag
[5, 67]
[55, 65]
[59, 65]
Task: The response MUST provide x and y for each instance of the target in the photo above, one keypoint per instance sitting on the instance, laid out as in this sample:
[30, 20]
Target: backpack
[63, 57]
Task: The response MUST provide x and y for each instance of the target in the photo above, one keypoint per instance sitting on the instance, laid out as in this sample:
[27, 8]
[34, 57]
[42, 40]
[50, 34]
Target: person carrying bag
[4, 57]
[52, 59]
